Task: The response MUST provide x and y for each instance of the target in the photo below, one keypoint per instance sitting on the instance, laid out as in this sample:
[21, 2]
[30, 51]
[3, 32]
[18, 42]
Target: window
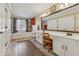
[21, 25]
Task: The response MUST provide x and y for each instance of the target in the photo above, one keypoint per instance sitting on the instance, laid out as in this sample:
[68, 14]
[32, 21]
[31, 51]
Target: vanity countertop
[74, 36]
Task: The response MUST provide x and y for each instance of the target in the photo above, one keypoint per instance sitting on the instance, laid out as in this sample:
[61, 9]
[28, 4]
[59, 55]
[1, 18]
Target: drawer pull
[66, 48]
[1, 32]
[62, 46]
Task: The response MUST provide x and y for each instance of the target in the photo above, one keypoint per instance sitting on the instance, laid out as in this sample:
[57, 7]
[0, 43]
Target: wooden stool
[47, 41]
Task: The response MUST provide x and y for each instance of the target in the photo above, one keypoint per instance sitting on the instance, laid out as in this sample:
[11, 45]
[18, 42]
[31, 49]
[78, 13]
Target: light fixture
[62, 6]
[43, 15]
[66, 4]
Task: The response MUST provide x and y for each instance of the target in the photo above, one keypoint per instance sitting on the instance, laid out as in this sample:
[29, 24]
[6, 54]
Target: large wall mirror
[68, 23]
[65, 20]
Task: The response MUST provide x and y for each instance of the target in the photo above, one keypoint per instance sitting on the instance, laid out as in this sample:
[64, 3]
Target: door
[8, 25]
[5, 29]
[2, 28]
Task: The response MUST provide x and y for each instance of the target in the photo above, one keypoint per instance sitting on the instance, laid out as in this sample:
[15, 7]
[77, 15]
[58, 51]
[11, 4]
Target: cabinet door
[2, 16]
[77, 22]
[52, 25]
[72, 51]
[58, 47]
[39, 36]
[8, 24]
[72, 47]
[2, 28]
[66, 23]
[2, 44]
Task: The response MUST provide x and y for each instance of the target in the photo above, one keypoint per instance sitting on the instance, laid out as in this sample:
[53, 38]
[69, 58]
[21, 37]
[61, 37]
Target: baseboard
[6, 47]
[39, 43]
[55, 54]
[20, 38]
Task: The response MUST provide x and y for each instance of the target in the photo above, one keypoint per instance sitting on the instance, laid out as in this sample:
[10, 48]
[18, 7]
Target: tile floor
[23, 47]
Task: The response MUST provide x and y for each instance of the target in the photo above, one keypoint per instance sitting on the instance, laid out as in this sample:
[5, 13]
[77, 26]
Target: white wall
[37, 23]
[39, 33]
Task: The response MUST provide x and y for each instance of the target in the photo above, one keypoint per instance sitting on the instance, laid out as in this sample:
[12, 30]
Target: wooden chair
[47, 42]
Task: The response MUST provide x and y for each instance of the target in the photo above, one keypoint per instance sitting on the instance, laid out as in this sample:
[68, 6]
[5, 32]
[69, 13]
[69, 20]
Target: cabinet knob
[62, 46]
[6, 27]
[66, 48]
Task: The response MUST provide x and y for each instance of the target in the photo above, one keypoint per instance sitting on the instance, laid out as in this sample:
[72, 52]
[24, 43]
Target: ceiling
[29, 10]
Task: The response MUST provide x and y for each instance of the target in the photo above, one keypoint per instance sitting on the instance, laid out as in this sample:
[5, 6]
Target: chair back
[46, 35]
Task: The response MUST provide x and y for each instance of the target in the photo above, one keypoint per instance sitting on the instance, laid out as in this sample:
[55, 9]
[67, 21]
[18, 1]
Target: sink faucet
[70, 34]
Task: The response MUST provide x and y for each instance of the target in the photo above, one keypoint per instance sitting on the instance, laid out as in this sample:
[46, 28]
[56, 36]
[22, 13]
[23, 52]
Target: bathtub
[22, 35]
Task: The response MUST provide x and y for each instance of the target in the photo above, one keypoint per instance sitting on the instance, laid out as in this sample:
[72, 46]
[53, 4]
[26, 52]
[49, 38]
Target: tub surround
[23, 35]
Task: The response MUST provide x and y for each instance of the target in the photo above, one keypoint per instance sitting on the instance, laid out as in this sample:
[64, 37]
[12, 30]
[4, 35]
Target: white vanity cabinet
[65, 46]
[72, 49]
[39, 37]
[57, 48]
[59, 45]
[77, 22]
[66, 23]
